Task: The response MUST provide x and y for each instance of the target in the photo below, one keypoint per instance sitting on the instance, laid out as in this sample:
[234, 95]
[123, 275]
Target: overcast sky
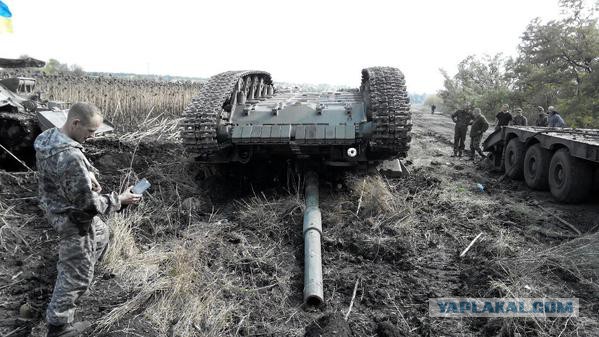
[310, 41]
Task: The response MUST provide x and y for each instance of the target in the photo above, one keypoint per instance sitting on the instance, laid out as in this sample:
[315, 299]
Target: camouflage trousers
[459, 140]
[475, 145]
[77, 258]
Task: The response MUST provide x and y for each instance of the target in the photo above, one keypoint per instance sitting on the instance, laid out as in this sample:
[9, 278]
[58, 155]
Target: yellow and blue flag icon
[5, 18]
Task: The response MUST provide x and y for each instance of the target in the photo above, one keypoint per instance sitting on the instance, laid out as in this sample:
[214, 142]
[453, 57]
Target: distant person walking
[519, 119]
[462, 118]
[542, 117]
[479, 126]
[555, 120]
[433, 107]
[504, 117]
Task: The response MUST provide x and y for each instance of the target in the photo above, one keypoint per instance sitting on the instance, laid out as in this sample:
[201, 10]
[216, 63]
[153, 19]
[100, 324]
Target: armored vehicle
[563, 160]
[24, 114]
[239, 116]
[18, 124]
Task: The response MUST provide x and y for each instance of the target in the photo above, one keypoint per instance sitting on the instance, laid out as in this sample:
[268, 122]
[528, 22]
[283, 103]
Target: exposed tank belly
[238, 116]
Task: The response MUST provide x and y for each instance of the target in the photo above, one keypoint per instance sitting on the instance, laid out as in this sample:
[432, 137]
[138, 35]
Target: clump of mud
[332, 325]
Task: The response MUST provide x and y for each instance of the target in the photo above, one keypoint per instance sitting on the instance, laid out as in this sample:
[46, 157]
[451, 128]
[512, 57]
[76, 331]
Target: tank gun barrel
[313, 289]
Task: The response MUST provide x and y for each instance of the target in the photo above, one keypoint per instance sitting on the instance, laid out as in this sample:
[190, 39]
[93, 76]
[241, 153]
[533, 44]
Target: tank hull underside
[239, 117]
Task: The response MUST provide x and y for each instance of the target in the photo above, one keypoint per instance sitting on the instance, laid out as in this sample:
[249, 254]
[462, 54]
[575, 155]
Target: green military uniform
[461, 118]
[520, 120]
[66, 195]
[479, 126]
[542, 120]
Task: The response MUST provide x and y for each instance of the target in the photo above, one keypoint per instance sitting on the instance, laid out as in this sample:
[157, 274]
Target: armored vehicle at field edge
[238, 116]
[24, 114]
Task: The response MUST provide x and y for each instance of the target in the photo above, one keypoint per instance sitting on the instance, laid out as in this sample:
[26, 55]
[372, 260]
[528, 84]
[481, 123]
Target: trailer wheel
[536, 167]
[570, 179]
[514, 159]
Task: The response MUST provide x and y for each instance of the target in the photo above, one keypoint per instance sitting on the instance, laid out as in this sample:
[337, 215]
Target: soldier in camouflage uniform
[479, 126]
[519, 119]
[69, 195]
[462, 118]
[542, 119]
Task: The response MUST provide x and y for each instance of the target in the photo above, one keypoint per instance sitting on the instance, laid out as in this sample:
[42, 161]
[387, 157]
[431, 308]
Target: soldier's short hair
[540, 109]
[476, 110]
[507, 106]
[84, 112]
[551, 108]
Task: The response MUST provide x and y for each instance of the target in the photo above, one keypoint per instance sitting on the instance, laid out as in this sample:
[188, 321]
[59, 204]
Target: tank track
[388, 106]
[203, 116]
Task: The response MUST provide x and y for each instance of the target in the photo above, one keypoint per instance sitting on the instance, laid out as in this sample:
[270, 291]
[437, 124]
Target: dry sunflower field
[215, 255]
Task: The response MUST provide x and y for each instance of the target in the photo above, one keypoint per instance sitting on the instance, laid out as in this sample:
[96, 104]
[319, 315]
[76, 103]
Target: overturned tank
[239, 116]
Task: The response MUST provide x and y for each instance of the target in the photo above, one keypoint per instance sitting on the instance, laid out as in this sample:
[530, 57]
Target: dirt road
[183, 264]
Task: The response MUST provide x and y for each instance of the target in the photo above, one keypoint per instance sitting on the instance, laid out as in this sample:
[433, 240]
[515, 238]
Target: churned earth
[214, 255]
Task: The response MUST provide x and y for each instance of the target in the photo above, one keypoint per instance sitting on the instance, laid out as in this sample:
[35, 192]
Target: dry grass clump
[157, 129]
[12, 221]
[174, 285]
[209, 278]
[573, 265]
[264, 215]
[574, 260]
[11, 224]
[372, 193]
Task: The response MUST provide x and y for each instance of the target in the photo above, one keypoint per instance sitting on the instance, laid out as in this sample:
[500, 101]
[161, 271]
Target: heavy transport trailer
[563, 160]
[239, 118]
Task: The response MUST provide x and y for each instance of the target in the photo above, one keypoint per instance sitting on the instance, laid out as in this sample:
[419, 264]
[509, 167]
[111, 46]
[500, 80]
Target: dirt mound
[332, 325]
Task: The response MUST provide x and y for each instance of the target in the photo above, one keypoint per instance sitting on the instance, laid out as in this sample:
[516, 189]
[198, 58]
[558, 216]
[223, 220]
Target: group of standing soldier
[464, 117]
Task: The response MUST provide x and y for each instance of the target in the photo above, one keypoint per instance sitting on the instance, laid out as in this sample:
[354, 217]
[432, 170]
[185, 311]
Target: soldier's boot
[471, 154]
[460, 153]
[68, 330]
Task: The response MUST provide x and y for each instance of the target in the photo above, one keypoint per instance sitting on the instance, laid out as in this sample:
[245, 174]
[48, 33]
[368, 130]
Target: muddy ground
[230, 253]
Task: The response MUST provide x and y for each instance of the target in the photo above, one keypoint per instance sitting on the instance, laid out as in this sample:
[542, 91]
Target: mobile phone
[141, 186]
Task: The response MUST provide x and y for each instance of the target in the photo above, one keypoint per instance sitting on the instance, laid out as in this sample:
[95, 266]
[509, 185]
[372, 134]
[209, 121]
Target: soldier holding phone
[70, 195]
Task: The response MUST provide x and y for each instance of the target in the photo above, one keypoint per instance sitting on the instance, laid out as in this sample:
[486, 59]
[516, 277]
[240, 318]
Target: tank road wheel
[514, 159]
[210, 110]
[536, 167]
[570, 179]
[388, 107]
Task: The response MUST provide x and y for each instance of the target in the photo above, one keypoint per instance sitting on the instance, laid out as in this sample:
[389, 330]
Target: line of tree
[54, 67]
[557, 64]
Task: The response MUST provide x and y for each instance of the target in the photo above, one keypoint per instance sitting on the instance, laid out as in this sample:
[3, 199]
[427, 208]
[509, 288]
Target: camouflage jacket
[479, 126]
[519, 120]
[462, 118]
[542, 120]
[64, 178]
